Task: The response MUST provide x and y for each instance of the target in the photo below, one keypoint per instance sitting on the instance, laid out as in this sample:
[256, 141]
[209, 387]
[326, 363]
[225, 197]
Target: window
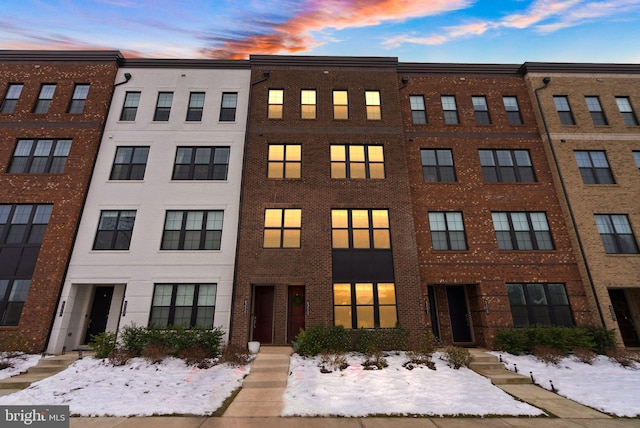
[437, 165]
[356, 161]
[23, 225]
[353, 228]
[636, 155]
[597, 115]
[364, 305]
[418, 110]
[481, 110]
[447, 231]
[539, 304]
[192, 230]
[11, 98]
[40, 156]
[308, 103]
[624, 104]
[594, 167]
[564, 110]
[228, 107]
[616, 234]
[79, 98]
[13, 293]
[276, 101]
[372, 100]
[513, 110]
[285, 161]
[130, 107]
[340, 105]
[114, 230]
[44, 99]
[506, 166]
[450, 109]
[522, 231]
[130, 163]
[282, 228]
[184, 305]
[201, 163]
[196, 106]
[163, 107]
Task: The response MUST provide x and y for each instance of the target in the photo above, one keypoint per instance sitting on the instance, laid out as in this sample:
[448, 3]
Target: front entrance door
[262, 329]
[99, 312]
[625, 321]
[295, 318]
[459, 314]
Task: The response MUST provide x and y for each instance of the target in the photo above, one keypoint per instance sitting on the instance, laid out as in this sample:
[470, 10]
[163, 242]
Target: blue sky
[462, 31]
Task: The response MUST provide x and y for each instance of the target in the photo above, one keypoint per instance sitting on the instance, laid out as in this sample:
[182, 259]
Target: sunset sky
[461, 31]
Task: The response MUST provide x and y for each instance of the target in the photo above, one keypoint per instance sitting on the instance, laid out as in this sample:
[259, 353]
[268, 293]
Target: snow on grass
[605, 385]
[19, 363]
[394, 391]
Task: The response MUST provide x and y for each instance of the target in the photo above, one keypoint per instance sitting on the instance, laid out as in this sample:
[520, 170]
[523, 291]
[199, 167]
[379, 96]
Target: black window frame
[614, 240]
[132, 168]
[418, 112]
[130, 106]
[439, 170]
[79, 98]
[352, 230]
[518, 166]
[117, 237]
[216, 233]
[163, 106]
[563, 107]
[171, 310]
[54, 162]
[442, 238]
[354, 304]
[591, 168]
[481, 109]
[515, 240]
[195, 111]
[228, 107]
[595, 110]
[536, 311]
[514, 117]
[215, 168]
[286, 231]
[43, 102]
[350, 164]
[10, 99]
[290, 165]
[627, 111]
[450, 115]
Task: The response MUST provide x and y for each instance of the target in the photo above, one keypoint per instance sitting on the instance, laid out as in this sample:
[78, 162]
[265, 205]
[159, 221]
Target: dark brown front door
[263, 314]
[296, 312]
[99, 312]
[623, 314]
[459, 314]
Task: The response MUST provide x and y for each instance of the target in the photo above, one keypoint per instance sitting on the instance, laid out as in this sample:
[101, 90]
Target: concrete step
[505, 377]
[50, 370]
[486, 366]
[269, 369]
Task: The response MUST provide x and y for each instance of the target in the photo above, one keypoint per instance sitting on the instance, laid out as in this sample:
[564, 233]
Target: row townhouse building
[282, 192]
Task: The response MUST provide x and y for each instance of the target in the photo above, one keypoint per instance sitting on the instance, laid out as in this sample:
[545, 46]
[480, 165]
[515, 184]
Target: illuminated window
[363, 229]
[564, 110]
[196, 107]
[481, 110]
[184, 305]
[507, 166]
[418, 110]
[450, 109]
[513, 110]
[44, 99]
[201, 163]
[79, 98]
[597, 114]
[308, 103]
[276, 100]
[40, 156]
[192, 230]
[129, 163]
[282, 228]
[522, 231]
[163, 106]
[447, 231]
[624, 105]
[11, 98]
[340, 105]
[130, 107]
[616, 234]
[539, 304]
[594, 167]
[372, 99]
[364, 305]
[285, 161]
[355, 161]
[437, 165]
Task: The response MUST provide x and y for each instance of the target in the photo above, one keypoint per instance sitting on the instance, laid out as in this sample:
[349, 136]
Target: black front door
[459, 314]
[623, 315]
[99, 312]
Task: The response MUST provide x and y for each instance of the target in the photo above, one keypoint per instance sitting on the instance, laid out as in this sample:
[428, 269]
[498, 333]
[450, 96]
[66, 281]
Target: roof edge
[185, 63]
[568, 67]
[60, 56]
[323, 61]
[425, 67]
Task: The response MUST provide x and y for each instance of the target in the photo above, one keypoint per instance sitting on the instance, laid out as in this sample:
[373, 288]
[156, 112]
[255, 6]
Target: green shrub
[319, 339]
[370, 341]
[396, 339]
[518, 341]
[601, 338]
[103, 344]
[135, 339]
[457, 357]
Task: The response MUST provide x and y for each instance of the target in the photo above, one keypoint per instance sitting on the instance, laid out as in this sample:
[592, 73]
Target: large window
[201, 163]
[114, 230]
[22, 225]
[564, 110]
[356, 161]
[372, 100]
[616, 234]
[11, 98]
[539, 304]
[44, 98]
[363, 229]
[228, 106]
[276, 102]
[506, 166]
[595, 108]
[40, 156]
[13, 293]
[626, 110]
[129, 163]
[437, 165]
[285, 161]
[183, 305]
[196, 106]
[364, 305]
[447, 231]
[481, 110]
[192, 230]
[308, 103]
[130, 107]
[594, 167]
[163, 107]
[449, 109]
[513, 110]
[79, 98]
[418, 110]
[282, 228]
[522, 231]
[340, 105]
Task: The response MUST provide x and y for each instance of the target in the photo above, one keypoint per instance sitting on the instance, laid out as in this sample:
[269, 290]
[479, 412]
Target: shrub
[330, 362]
[235, 355]
[457, 357]
[103, 344]
[548, 354]
[5, 361]
[601, 338]
[585, 355]
[155, 352]
[513, 341]
[120, 357]
[135, 339]
[375, 361]
[396, 339]
[15, 342]
[318, 339]
[622, 357]
[196, 356]
[518, 341]
[369, 341]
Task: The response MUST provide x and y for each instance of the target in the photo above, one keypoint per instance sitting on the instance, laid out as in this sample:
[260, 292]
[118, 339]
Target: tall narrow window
[506, 166]
[447, 231]
[11, 98]
[636, 156]
[418, 110]
[522, 231]
[40, 156]
[201, 163]
[228, 107]
[183, 305]
[276, 102]
[539, 304]
[624, 105]
[594, 167]
[513, 110]
[129, 163]
[340, 105]
[130, 107]
[114, 230]
[357, 161]
[282, 228]
[450, 109]
[481, 110]
[79, 98]
[192, 230]
[616, 234]
[285, 161]
[364, 305]
[196, 107]
[564, 110]
[437, 165]
[364, 229]
[372, 100]
[597, 114]
[308, 103]
[44, 98]
[163, 106]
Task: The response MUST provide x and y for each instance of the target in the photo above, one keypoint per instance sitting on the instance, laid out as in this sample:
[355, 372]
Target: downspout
[546, 81]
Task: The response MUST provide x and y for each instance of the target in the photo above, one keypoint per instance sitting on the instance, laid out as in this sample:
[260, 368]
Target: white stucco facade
[133, 273]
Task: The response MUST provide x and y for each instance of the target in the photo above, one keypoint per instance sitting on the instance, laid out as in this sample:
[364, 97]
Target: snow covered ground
[20, 364]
